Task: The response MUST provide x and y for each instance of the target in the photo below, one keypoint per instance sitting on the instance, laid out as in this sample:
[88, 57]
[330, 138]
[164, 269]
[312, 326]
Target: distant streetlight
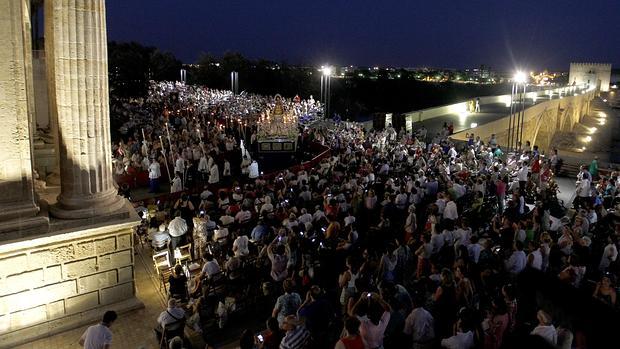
[325, 88]
[515, 122]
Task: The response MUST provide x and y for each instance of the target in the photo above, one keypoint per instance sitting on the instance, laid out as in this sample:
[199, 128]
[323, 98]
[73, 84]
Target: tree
[164, 66]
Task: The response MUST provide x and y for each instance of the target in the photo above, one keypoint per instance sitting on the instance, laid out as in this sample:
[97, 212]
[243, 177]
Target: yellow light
[588, 139]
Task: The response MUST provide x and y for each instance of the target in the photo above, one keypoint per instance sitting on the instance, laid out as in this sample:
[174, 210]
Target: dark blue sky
[534, 34]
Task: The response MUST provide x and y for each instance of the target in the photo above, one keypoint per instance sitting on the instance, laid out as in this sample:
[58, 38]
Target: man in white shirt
[177, 229]
[610, 254]
[243, 216]
[545, 328]
[154, 174]
[171, 314]
[214, 174]
[318, 214]
[420, 326]
[305, 217]
[240, 246]
[99, 336]
[534, 258]
[461, 340]
[179, 165]
[517, 260]
[253, 170]
[452, 152]
[583, 192]
[160, 238]
[177, 184]
[401, 200]
[450, 211]
[522, 176]
[210, 268]
[475, 248]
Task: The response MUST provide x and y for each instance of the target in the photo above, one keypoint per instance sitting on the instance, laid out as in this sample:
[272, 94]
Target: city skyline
[532, 35]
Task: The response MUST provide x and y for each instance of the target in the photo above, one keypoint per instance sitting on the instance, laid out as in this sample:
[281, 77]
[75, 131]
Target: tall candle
[168, 133]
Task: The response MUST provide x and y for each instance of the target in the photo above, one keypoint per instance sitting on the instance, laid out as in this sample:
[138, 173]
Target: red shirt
[353, 343]
[500, 188]
[536, 167]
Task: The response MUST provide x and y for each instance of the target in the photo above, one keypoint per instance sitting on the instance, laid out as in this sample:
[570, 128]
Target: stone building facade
[66, 252]
[590, 73]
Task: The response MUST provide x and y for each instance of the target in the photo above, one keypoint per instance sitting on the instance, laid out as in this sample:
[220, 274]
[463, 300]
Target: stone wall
[53, 283]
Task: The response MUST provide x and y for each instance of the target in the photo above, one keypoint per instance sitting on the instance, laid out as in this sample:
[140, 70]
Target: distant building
[590, 73]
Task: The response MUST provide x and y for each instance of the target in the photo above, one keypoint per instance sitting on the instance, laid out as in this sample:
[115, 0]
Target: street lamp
[234, 82]
[515, 122]
[325, 88]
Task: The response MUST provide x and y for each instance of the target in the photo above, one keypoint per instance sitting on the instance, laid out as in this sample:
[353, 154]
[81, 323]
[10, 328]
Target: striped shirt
[298, 338]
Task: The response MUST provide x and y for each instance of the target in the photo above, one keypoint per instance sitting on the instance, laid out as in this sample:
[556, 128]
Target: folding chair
[184, 254]
[162, 266]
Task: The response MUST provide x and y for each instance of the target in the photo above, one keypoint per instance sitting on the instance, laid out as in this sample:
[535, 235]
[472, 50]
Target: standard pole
[511, 118]
[523, 112]
[518, 123]
[328, 97]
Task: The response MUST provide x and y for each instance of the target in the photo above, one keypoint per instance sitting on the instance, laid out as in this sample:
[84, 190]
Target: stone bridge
[542, 121]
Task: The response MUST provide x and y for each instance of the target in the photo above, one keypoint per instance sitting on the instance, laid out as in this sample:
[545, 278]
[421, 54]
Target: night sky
[504, 34]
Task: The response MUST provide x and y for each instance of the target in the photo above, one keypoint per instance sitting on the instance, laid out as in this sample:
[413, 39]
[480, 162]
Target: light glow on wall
[506, 100]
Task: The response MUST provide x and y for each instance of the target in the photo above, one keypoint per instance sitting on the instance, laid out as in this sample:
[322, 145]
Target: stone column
[18, 207]
[76, 49]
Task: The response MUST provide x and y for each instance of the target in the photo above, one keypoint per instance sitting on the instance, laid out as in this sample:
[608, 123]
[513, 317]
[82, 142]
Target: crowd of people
[180, 125]
[396, 240]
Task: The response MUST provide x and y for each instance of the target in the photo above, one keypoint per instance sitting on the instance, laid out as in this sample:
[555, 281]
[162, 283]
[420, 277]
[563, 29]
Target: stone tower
[590, 73]
[66, 253]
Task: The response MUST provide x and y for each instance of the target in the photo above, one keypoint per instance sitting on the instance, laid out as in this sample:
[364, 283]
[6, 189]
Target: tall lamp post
[234, 82]
[517, 112]
[325, 88]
